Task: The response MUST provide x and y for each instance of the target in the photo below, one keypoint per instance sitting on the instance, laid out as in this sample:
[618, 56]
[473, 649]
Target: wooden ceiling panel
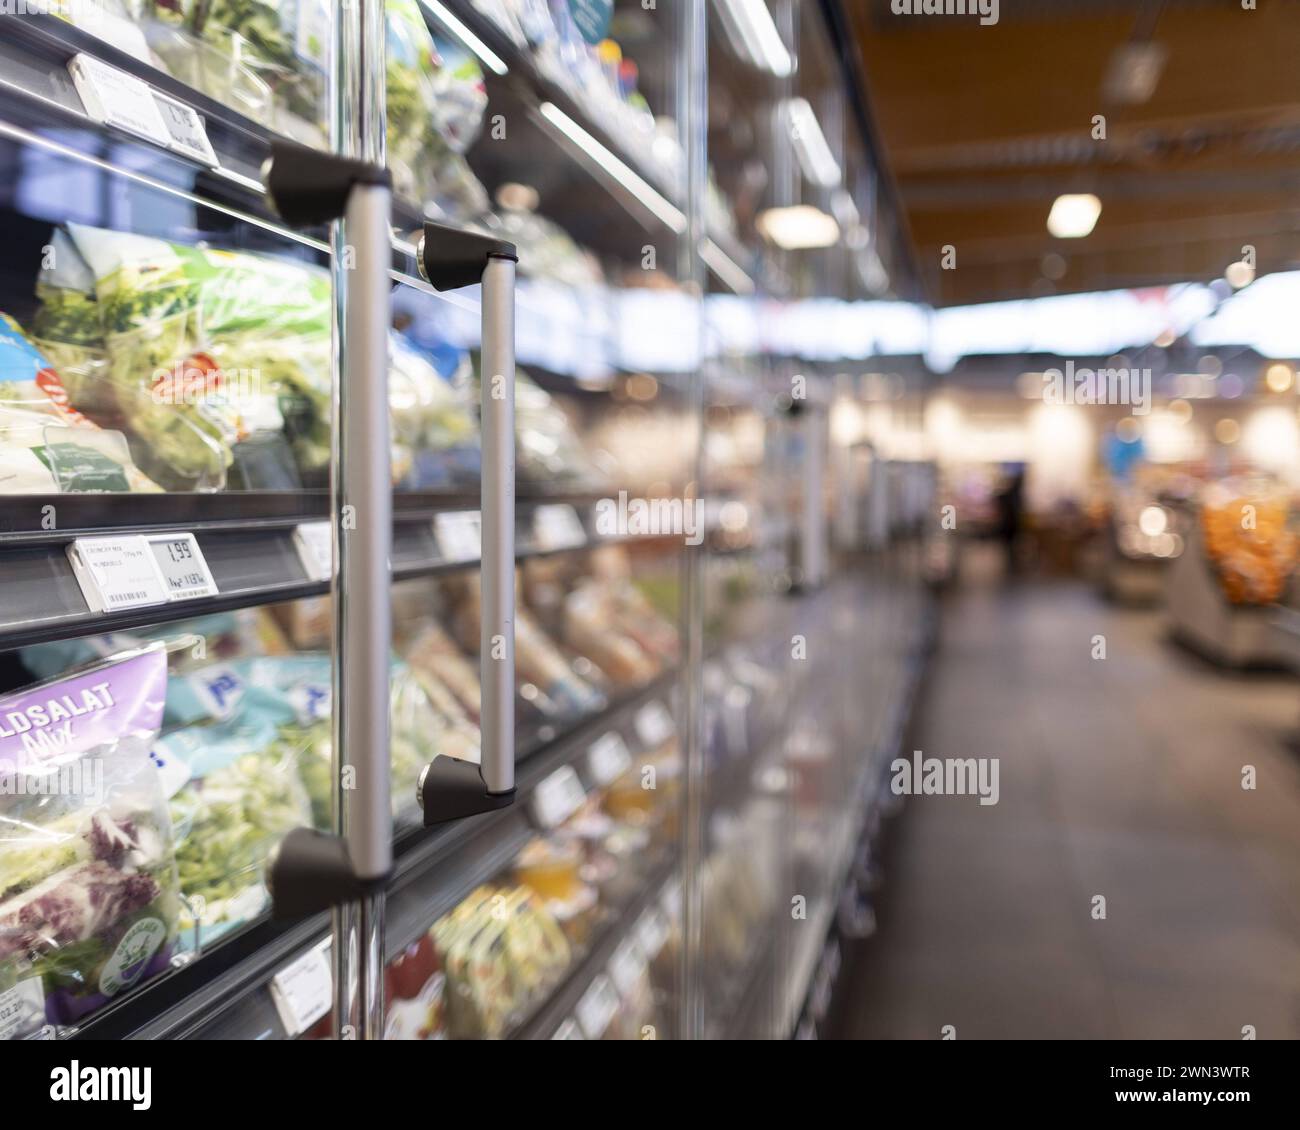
[983, 127]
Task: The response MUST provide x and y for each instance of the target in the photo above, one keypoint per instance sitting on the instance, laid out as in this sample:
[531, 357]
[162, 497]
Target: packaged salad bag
[46, 445]
[88, 893]
[207, 355]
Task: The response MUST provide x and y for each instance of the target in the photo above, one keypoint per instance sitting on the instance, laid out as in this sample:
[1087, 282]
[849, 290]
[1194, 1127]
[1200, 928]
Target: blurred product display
[720, 433]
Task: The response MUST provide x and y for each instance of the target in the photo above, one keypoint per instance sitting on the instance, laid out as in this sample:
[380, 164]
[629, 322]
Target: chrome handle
[497, 501]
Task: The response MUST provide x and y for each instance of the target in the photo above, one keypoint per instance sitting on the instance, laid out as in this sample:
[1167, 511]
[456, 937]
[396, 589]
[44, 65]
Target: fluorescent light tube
[655, 201]
[819, 164]
[726, 268]
[457, 28]
[753, 35]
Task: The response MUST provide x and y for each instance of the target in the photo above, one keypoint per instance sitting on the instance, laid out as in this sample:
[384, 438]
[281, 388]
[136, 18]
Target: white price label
[652, 932]
[654, 724]
[597, 1007]
[186, 132]
[558, 797]
[569, 1030]
[608, 758]
[459, 535]
[303, 991]
[185, 575]
[557, 526]
[118, 99]
[315, 544]
[116, 573]
[22, 1010]
[627, 968]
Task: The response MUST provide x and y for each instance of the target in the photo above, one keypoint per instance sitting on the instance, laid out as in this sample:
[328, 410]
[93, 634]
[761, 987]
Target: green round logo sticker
[133, 952]
[591, 18]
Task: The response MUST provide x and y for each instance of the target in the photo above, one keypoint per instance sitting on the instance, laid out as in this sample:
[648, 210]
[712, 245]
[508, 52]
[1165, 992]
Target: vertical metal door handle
[450, 789]
[497, 560]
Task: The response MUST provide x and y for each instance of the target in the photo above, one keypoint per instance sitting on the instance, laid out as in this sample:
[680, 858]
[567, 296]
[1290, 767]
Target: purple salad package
[88, 890]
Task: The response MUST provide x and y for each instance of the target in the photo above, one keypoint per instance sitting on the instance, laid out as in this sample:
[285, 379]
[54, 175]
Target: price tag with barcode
[118, 99]
[459, 535]
[608, 758]
[627, 967]
[558, 797]
[186, 132]
[116, 573]
[558, 526]
[654, 724]
[315, 544]
[185, 574]
[597, 1007]
[303, 991]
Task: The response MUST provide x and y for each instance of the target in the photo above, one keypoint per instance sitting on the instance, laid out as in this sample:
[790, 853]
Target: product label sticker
[132, 955]
[173, 772]
[116, 573]
[654, 724]
[315, 544]
[303, 991]
[558, 797]
[184, 572]
[591, 18]
[459, 535]
[608, 758]
[557, 526]
[219, 688]
[312, 702]
[597, 1007]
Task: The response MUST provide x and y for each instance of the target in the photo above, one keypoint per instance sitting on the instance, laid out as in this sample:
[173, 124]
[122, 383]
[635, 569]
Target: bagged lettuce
[205, 350]
[88, 893]
[283, 43]
[46, 445]
[239, 798]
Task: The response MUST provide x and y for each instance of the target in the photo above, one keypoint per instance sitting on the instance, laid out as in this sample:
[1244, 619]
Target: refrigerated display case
[231, 523]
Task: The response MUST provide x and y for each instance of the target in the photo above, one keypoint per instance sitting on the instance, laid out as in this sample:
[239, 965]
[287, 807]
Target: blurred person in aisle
[1010, 504]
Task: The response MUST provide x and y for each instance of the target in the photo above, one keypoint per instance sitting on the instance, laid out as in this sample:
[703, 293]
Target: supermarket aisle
[1119, 777]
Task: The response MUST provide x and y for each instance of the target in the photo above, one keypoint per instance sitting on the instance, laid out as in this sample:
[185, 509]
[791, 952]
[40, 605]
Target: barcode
[123, 597]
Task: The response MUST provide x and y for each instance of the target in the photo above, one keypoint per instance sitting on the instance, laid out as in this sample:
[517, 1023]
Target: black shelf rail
[225, 993]
[248, 542]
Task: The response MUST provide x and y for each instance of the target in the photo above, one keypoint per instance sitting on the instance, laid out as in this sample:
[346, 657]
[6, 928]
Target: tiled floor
[1119, 777]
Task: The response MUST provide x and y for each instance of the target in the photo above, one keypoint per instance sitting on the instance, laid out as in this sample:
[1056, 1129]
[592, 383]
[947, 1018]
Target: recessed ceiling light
[1074, 215]
[799, 227]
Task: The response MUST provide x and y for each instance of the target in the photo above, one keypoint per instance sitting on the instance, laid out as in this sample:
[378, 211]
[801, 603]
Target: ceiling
[983, 126]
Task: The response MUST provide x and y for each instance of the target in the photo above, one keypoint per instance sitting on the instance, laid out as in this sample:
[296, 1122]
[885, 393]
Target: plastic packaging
[88, 889]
